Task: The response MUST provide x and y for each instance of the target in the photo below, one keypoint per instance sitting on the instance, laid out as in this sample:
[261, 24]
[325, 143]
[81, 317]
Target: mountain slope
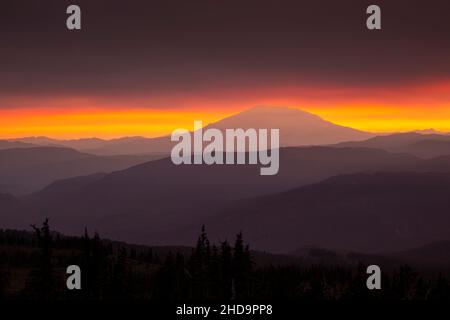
[8, 206]
[435, 253]
[418, 144]
[26, 170]
[297, 127]
[362, 212]
[5, 144]
[154, 202]
[148, 202]
[78, 144]
[427, 148]
[134, 145]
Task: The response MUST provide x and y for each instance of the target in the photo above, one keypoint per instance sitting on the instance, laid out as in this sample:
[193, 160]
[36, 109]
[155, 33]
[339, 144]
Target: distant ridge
[421, 145]
[5, 144]
[78, 144]
[431, 131]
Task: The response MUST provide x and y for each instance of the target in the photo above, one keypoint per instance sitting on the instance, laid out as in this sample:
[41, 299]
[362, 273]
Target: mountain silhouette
[8, 206]
[418, 144]
[148, 202]
[78, 144]
[25, 170]
[5, 144]
[297, 128]
[430, 254]
[134, 145]
[377, 212]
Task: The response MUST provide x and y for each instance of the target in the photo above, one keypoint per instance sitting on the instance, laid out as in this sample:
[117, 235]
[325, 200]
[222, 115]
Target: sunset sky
[147, 67]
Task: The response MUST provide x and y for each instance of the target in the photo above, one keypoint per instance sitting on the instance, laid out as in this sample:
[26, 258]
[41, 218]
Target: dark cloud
[170, 46]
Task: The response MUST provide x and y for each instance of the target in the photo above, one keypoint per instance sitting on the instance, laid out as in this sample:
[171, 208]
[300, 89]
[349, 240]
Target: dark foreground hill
[362, 212]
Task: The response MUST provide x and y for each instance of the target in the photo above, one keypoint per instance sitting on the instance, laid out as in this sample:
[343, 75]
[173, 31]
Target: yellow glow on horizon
[382, 118]
[119, 122]
[98, 123]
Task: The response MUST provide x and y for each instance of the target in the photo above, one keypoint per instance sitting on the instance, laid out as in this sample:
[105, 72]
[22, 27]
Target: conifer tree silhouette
[43, 281]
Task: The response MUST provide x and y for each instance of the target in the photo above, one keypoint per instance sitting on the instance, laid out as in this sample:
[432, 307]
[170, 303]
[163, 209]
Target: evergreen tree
[241, 268]
[120, 275]
[199, 265]
[43, 280]
[227, 272]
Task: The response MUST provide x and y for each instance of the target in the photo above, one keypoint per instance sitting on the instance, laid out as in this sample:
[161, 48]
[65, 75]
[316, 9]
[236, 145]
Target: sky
[147, 67]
